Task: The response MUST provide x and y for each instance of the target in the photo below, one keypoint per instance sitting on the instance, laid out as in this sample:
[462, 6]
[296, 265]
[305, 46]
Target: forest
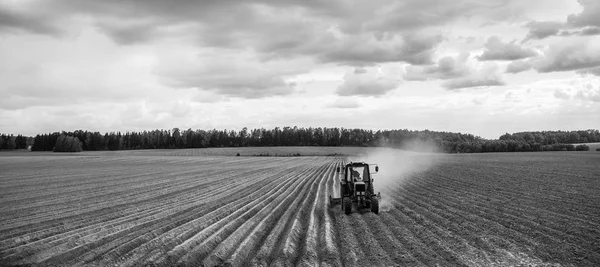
[11, 142]
[448, 142]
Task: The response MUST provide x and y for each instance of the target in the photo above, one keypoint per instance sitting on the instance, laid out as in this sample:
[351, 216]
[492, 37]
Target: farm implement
[356, 187]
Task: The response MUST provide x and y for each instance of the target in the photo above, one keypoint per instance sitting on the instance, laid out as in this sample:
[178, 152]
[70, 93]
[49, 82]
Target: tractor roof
[356, 164]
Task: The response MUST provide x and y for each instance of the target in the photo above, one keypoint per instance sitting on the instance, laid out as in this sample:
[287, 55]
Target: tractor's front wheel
[347, 205]
[375, 205]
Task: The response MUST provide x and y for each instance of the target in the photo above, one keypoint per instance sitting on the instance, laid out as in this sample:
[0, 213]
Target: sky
[480, 67]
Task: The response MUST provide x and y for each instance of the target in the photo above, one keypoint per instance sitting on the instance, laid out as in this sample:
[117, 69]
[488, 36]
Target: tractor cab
[358, 174]
[357, 177]
[356, 186]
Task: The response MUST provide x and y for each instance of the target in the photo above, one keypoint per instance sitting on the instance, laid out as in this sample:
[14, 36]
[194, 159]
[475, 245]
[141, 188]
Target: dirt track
[134, 210]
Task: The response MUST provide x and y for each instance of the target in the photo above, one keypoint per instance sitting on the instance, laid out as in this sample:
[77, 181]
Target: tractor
[356, 186]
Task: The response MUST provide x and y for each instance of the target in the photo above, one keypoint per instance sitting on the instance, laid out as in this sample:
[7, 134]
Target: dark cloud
[129, 32]
[497, 50]
[590, 16]
[14, 21]
[370, 83]
[542, 29]
[519, 66]
[588, 31]
[410, 15]
[486, 75]
[584, 24]
[243, 85]
[446, 68]
[362, 50]
[342, 32]
[569, 57]
[581, 55]
[593, 71]
[468, 82]
[456, 72]
[360, 70]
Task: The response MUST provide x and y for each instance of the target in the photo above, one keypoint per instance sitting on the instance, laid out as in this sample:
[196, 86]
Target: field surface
[196, 208]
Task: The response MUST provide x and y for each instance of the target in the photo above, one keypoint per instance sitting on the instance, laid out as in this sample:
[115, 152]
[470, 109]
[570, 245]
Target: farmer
[355, 175]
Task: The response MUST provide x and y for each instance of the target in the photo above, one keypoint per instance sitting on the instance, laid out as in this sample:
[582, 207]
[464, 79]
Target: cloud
[513, 96]
[457, 73]
[561, 94]
[519, 66]
[585, 23]
[497, 50]
[590, 16]
[127, 32]
[468, 82]
[569, 56]
[593, 71]
[487, 76]
[373, 82]
[360, 70]
[339, 32]
[481, 99]
[589, 93]
[578, 55]
[14, 20]
[446, 68]
[346, 103]
[588, 31]
[228, 73]
[38, 71]
[366, 50]
[394, 16]
[542, 29]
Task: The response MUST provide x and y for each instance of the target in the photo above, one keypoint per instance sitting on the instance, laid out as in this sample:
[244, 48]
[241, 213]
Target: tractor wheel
[375, 205]
[370, 189]
[347, 205]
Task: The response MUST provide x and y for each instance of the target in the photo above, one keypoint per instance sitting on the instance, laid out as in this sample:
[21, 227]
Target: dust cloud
[396, 167]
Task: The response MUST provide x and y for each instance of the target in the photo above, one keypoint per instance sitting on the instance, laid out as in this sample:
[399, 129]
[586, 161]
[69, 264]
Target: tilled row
[230, 215]
[274, 212]
[476, 231]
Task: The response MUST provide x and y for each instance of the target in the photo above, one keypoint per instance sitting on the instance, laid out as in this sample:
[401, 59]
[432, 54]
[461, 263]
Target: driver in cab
[355, 175]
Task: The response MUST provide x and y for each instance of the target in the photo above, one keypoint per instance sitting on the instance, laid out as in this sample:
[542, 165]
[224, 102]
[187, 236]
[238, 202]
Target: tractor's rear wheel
[375, 205]
[347, 205]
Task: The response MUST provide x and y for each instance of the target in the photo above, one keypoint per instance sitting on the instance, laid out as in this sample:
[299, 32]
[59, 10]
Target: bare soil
[142, 208]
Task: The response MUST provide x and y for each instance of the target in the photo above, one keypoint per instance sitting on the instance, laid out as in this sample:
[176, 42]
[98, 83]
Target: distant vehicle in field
[356, 186]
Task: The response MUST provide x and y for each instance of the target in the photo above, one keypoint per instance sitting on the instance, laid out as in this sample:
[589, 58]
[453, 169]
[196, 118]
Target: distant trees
[44, 142]
[296, 136]
[11, 142]
[544, 141]
[66, 143]
[555, 137]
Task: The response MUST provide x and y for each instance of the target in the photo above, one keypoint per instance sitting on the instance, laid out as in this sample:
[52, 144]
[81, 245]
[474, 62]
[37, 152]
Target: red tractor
[356, 186]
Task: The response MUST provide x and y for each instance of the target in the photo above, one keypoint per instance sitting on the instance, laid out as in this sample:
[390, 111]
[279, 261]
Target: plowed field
[449, 210]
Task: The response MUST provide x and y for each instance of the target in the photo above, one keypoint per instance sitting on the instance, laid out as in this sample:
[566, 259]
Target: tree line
[11, 142]
[448, 142]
